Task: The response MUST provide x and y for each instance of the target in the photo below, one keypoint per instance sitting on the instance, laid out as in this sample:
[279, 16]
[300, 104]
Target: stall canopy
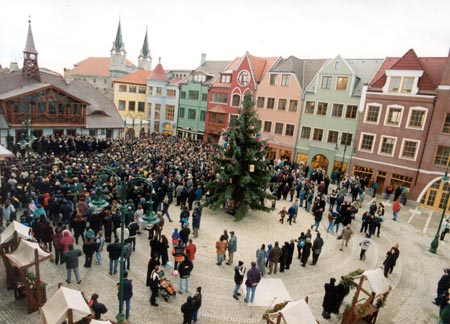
[5, 153]
[65, 299]
[298, 312]
[22, 231]
[24, 254]
[93, 321]
[377, 281]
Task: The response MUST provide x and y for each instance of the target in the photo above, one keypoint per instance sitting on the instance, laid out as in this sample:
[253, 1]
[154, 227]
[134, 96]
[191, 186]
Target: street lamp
[435, 243]
[346, 143]
[125, 186]
[26, 139]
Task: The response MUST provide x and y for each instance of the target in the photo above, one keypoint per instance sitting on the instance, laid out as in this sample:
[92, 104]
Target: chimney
[67, 76]
[203, 59]
[13, 66]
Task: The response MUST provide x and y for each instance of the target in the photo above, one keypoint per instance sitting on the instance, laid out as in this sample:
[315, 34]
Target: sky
[68, 31]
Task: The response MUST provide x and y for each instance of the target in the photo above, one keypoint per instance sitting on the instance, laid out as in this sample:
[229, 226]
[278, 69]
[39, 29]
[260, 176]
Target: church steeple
[145, 60]
[30, 64]
[118, 45]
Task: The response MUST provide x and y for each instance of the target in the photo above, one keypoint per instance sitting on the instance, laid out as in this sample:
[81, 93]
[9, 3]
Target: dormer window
[402, 81]
[225, 78]
[199, 78]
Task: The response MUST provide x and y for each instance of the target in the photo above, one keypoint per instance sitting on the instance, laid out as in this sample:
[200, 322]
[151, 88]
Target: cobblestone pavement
[413, 280]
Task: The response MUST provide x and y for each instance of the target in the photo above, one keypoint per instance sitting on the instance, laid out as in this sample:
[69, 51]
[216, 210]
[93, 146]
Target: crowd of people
[54, 194]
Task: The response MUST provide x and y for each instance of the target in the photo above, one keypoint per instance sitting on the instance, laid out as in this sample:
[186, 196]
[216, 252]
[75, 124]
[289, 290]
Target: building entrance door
[320, 160]
[436, 196]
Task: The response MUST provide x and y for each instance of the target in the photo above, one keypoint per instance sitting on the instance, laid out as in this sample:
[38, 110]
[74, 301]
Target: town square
[148, 175]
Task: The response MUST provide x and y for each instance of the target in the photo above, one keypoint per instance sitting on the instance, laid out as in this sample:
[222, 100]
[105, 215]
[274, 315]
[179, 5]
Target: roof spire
[30, 64]
[118, 44]
[145, 51]
[29, 46]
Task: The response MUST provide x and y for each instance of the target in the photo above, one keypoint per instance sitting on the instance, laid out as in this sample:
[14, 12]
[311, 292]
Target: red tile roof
[432, 66]
[261, 66]
[138, 77]
[94, 66]
[176, 81]
[158, 74]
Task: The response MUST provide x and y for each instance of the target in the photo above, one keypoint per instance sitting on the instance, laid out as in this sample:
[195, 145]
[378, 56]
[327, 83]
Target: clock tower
[30, 64]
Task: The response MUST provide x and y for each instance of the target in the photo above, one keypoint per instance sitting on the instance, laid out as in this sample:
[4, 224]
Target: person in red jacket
[191, 248]
[395, 209]
[66, 240]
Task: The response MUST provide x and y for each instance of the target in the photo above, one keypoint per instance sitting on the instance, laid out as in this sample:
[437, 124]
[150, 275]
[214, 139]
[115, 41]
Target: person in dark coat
[153, 282]
[184, 234]
[97, 308]
[152, 263]
[306, 251]
[198, 303]
[164, 246]
[443, 284]
[290, 256]
[342, 290]
[391, 258]
[79, 225]
[317, 248]
[127, 293]
[188, 309]
[89, 248]
[47, 234]
[284, 257]
[329, 300]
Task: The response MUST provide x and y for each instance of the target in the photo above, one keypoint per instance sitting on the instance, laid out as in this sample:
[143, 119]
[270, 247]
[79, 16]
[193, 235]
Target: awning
[24, 254]
[56, 308]
[218, 109]
[137, 121]
[5, 153]
[298, 312]
[377, 281]
[22, 231]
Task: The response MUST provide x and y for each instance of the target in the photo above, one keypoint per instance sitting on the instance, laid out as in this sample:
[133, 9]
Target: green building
[194, 98]
[330, 113]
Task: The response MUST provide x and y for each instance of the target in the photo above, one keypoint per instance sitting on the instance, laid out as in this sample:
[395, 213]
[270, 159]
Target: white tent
[298, 312]
[56, 309]
[94, 321]
[24, 254]
[22, 231]
[377, 281]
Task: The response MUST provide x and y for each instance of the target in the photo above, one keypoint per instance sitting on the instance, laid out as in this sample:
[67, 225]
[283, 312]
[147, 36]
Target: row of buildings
[386, 119]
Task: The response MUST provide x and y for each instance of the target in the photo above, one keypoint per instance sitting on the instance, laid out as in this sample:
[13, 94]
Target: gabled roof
[175, 81]
[94, 66]
[211, 69]
[158, 74]
[432, 66]
[138, 77]
[261, 65]
[304, 70]
[364, 70]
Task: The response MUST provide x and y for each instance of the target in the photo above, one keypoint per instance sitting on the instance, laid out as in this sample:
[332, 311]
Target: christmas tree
[241, 169]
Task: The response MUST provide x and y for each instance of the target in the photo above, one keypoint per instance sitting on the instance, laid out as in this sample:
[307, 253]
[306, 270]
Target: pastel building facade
[226, 94]
[330, 113]
[279, 101]
[395, 120]
[194, 98]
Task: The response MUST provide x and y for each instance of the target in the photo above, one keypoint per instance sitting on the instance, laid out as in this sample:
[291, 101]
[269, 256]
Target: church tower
[30, 68]
[145, 60]
[117, 64]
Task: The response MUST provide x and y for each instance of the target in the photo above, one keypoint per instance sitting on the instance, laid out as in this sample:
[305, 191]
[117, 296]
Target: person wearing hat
[239, 272]
[253, 278]
[188, 309]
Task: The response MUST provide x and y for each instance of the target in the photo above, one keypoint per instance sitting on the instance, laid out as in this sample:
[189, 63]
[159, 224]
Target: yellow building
[130, 93]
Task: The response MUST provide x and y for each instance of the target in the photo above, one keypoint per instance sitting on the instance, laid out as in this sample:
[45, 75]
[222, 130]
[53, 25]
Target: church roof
[94, 66]
[118, 44]
[145, 51]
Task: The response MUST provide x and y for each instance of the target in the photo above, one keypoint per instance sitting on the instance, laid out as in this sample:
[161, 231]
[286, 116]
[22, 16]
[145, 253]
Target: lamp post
[26, 138]
[125, 186]
[341, 169]
[435, 243]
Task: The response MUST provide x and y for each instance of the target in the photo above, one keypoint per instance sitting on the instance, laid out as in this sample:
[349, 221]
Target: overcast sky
[68, 31]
